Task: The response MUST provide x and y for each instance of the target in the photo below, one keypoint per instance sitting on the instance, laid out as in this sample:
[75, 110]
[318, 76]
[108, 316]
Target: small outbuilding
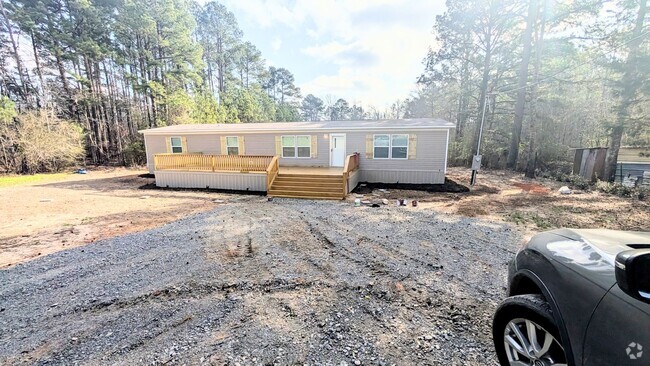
[299, 159]
[589, 162]
[633, 166]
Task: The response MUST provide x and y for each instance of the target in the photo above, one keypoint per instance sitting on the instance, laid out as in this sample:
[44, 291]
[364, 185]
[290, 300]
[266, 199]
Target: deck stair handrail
[351, 164]
[212, 163]
[272, 172]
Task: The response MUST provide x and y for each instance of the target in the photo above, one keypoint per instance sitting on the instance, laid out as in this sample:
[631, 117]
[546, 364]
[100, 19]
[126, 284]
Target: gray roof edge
[166, 130]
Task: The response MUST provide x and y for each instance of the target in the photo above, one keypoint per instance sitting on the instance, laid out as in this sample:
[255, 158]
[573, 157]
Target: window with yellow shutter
[390, 146]
[296, 146]
[176, 144]
[232, 145]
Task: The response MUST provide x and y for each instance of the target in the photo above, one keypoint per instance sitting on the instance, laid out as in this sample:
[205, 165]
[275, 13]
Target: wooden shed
[589, 162]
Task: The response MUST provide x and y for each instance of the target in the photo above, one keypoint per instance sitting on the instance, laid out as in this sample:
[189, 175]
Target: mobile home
[299, 159]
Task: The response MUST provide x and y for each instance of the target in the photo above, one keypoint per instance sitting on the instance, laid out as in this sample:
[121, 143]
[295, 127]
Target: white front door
[337, 150]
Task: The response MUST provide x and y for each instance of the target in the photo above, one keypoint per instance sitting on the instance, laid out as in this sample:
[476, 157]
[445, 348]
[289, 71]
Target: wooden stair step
[295, 179]
[287, 191]
[307, 197]
[319, 176]
[337, 190]
[309, 180]
[307, 186]
[305, 194]
[311, 184]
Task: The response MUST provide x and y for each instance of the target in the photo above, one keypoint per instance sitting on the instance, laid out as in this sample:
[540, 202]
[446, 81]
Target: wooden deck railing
[212, 163]
[351, 164]
[272, 172]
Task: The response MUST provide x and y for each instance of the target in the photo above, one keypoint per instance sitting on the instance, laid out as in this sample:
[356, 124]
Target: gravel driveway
[252, 282]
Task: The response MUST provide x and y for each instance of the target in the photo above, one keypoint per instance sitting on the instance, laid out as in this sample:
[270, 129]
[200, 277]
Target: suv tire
[517, 319]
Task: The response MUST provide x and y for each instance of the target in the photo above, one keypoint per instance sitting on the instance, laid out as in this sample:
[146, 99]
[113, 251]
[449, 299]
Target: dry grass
[536, 205]
[16, 180]
[52, 212]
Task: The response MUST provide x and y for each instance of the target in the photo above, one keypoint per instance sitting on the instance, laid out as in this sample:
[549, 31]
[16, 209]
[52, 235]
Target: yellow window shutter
[240, 142]
[314, 146]
[278, 145]
[413, 139]
[224, 147]
[184, 144]
[169, 144]
[369, 152]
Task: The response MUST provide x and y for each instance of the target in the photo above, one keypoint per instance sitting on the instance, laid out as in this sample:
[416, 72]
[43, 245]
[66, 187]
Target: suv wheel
[525, 333]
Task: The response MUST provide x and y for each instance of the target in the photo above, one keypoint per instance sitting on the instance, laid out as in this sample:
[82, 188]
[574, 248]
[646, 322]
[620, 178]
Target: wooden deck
[281, 181]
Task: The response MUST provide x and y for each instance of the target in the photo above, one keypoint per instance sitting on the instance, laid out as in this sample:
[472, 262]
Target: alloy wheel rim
[529, 344]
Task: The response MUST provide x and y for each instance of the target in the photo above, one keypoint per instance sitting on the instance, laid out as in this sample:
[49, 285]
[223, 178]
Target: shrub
[134, 153]
[617, 189]
[37, 142]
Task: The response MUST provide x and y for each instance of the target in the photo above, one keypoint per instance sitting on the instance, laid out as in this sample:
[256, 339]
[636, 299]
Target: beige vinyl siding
[429, 154]
[157, 144]
[154, 145]
[264, 144]
[206, 144]
[428, 166]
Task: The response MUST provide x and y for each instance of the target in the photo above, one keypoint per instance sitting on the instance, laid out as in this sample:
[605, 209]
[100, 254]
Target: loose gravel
[260, 283]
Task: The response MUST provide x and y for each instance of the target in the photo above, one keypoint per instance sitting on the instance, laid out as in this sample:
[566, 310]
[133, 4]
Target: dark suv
[577, 297]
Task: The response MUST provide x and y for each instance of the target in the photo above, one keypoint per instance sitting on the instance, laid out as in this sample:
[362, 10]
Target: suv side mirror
[633, 273]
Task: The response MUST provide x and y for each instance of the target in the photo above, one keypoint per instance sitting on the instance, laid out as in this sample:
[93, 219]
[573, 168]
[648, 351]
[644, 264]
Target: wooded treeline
[547, 75]
[115, 66]
[551, 74]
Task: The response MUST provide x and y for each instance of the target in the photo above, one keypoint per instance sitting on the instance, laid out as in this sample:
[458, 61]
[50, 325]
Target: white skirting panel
[236, 181]
[402, 176]
[353, 180]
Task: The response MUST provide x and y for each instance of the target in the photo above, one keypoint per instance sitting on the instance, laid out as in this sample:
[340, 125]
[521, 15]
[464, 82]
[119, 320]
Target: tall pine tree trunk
[630, 86]
[531, 163]
[22, 73]
[520, 104]
[39, 72]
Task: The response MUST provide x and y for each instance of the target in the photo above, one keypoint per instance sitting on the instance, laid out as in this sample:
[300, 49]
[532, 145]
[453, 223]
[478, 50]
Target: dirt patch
[534, 205]
[48, 217]
[532, 188]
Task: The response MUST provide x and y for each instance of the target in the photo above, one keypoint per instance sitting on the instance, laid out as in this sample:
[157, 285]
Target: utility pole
[476, 159]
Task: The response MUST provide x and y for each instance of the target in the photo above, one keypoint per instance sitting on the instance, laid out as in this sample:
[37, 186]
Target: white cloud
[390, 74]
[376, 45]
[276, 44]
[267, 13]
[342, 54]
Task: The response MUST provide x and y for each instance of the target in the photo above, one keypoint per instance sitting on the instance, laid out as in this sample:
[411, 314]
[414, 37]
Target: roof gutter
[202, 132]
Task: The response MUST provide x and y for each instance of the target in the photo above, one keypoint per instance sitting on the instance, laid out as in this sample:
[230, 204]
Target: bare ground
[48, 217]
[43, 218]
[256, 282]
[534, 205]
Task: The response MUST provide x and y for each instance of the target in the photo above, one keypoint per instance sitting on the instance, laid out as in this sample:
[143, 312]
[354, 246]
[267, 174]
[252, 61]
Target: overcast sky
[366, 51]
